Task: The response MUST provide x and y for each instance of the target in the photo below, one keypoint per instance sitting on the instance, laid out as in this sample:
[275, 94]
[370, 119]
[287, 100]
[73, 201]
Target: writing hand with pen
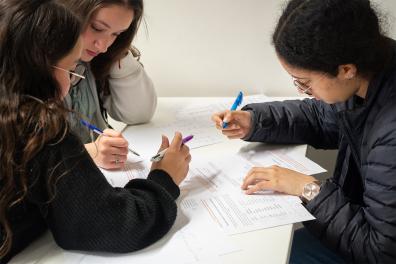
[110, 149]
[233, 124]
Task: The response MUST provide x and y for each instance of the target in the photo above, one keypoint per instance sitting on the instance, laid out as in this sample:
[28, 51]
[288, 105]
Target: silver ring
[117, 161]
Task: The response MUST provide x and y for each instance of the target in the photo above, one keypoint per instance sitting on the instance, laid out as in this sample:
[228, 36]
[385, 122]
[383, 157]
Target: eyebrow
[107, 25]
[296, 77]
[103, 23]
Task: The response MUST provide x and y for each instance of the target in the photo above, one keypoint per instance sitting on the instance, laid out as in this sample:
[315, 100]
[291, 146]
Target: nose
[102, 45]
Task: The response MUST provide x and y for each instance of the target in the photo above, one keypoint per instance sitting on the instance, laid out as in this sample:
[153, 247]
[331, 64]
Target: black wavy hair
[320, 35]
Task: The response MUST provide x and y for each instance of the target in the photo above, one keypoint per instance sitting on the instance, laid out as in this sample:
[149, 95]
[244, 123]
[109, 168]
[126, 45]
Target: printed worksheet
[189, 120]
[135, 168]
[215, 188]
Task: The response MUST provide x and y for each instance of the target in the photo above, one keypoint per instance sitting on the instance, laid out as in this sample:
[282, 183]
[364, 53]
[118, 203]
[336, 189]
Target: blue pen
[234, 106]
[100, 132]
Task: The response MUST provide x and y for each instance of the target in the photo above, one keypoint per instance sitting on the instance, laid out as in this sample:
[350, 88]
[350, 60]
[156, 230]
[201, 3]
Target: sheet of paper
[283, 157]
[215, 188]
[189, 120]
[135, 167]
[235, 215]
[189, 241]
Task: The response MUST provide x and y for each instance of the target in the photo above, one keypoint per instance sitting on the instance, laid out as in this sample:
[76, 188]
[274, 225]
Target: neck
[363, 87]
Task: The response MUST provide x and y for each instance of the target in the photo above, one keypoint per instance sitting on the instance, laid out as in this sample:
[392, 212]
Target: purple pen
[186, 139]
[157, 157]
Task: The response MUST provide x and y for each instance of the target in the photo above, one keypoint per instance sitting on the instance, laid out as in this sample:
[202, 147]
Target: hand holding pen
[176, 159]
[157, 157]
[237, 102]
[110, 150]
[233, 124]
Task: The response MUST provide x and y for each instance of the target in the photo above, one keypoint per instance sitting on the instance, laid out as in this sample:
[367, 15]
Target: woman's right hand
[239, 123]
[176, 159]
[109, 151]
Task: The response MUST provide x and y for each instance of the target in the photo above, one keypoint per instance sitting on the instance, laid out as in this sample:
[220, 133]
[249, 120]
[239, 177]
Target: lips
[91, 53]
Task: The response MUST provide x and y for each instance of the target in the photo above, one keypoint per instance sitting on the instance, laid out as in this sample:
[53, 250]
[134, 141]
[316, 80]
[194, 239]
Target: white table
[262, 246]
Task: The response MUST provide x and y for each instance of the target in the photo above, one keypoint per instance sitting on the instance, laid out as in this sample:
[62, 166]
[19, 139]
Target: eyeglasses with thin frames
[76, 75]
[302, 88]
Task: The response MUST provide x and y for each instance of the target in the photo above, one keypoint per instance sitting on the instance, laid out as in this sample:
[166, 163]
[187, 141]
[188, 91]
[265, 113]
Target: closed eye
[96, 28]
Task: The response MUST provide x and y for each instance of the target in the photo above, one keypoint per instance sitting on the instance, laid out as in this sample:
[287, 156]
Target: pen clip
[156, 157]
[238, 101]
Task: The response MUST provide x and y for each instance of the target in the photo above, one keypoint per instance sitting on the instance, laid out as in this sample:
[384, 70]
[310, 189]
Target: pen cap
[186, 139]
[239, 99]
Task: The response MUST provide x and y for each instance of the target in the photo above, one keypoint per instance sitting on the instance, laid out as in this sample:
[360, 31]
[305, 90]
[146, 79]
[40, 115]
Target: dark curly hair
[34, 36]
[320, 35]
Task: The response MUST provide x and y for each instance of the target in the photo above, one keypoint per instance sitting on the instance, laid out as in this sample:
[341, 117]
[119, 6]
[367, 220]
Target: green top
[82, 102]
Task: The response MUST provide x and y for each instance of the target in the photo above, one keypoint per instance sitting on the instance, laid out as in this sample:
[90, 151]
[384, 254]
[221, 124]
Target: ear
[347, 71]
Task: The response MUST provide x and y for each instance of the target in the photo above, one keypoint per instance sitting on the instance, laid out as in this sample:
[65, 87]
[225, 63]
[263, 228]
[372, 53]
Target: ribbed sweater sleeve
[85, 213]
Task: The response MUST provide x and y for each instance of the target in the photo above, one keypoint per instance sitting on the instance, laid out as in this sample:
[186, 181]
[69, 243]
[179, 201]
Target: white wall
[216, 47]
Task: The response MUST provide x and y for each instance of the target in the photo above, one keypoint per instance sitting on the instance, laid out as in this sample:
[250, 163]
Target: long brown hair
[34, 36]
[102, 63]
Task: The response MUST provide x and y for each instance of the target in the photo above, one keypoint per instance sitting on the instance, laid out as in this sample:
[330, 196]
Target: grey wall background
[218, 47]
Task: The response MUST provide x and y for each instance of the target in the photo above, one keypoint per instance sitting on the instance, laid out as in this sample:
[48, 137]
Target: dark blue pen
[234, 106]
[100, 132]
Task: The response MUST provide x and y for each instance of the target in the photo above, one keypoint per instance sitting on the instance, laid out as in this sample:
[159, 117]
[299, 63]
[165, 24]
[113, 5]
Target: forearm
[293, 122]
[86, 213]
[133, 98]
[92, 149]
[111, 220]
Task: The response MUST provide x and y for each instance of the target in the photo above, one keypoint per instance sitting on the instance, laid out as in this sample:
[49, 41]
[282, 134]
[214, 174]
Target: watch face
[310, 190]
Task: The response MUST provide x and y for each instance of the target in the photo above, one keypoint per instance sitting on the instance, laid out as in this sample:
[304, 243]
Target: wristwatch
[310, 191]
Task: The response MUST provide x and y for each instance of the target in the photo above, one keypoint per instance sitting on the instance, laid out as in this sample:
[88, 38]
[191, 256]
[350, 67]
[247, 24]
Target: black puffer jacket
[356, 209]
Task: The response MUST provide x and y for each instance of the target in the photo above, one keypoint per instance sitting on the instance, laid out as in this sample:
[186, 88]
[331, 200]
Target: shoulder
[52, 161]
[62, 147]
[383, 125]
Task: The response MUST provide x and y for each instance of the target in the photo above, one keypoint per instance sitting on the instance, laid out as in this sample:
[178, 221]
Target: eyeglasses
[303, 88]
[76, 75]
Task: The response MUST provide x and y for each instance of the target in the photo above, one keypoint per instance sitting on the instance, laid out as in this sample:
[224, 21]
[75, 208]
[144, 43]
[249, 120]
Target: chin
[332, 101]
[86, 58]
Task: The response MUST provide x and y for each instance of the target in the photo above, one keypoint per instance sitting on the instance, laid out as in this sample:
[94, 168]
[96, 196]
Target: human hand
[239, 123]
[110, 150]
[176, 159]
[277, 179]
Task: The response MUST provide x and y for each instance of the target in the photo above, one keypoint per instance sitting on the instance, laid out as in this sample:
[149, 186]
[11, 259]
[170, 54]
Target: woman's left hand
[277, 179]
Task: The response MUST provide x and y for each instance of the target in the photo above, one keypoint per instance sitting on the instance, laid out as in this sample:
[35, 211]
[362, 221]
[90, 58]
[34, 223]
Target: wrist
[92, 149]
[310, 190]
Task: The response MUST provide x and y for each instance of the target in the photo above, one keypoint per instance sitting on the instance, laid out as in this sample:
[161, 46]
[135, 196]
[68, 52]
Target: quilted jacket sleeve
[306, 121]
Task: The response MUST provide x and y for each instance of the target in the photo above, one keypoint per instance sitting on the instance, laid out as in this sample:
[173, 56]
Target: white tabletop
[270, 245]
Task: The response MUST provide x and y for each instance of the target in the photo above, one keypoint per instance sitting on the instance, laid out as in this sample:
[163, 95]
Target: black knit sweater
[83, 211]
